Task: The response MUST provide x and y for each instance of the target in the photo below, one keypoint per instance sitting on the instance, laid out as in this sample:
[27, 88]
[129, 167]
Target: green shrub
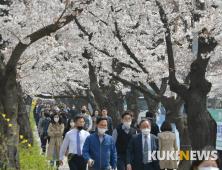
[30, 157]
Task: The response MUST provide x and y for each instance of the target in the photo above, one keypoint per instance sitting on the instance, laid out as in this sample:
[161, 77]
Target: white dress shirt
[71, 141]
[149, 145]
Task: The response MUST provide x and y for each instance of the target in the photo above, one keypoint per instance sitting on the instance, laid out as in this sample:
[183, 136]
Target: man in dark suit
[110, 123]
[154, 127]
[139, 148]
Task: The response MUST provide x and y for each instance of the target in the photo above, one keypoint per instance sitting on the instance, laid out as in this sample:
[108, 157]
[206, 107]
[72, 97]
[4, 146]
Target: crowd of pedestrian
[90, 140]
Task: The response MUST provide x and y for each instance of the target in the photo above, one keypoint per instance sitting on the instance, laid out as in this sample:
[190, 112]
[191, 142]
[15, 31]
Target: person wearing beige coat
[167, 142]
[55, 131]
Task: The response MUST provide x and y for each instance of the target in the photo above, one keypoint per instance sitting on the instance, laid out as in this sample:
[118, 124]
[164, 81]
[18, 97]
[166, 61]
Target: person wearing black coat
[134, 125]
[154, 127]
[63, 117]
[72, 113]
[45, 123]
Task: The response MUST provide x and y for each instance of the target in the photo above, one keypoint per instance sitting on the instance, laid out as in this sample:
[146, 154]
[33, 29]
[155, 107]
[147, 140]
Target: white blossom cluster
[114, 25]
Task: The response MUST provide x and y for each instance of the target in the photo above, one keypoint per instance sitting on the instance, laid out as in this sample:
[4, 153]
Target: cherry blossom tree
[25, 24]
[144, 36]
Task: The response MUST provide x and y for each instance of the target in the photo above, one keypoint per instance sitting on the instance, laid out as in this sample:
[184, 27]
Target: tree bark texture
[133, 102]
[106, 96]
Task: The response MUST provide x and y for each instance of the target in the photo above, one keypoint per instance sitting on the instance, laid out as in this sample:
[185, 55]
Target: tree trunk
[9, 100]
[202, 127]
[133, 102]
[23, 119]
[14, 108]
[173, 115]
[3, 130]
[106, 96]
[152, 105]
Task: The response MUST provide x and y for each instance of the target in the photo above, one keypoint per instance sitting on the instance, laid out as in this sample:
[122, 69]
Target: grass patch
[30, 157]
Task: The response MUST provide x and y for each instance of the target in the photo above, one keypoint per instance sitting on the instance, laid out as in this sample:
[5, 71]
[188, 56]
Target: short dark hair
[149, 114]
[197, 162]
[46, 114]
[63, 114]
[103, 109]
[77, 117]
[100, 119]
[134, 121]
[126, 113]
[143, 120]
[166, 126]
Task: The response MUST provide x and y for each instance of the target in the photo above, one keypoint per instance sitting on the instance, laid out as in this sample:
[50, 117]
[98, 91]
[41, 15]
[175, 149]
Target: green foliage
[30, 157]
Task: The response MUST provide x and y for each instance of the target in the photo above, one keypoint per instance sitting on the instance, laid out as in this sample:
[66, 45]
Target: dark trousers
[44, 141]
[37, 122]
[149, 166]
[220, 155]
[121, 162]
[98, 169]
[76, 162]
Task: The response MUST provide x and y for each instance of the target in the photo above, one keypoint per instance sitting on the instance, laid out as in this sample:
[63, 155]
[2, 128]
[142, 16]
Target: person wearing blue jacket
[99, 149]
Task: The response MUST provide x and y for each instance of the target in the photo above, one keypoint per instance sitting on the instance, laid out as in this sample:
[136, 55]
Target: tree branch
[60, 96]
[175, 86]
[141, 89]
[129, 52]
[60, 16]
[46, 31]
[163, 85]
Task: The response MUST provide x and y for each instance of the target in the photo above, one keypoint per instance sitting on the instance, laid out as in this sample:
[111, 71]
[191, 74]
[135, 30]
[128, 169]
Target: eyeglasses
[102, 125]
[81, 122]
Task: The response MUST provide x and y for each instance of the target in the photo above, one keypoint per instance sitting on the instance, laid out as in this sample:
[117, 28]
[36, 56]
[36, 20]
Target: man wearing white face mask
[139, 148]
[75, 139]
[99, 149]
[122, 136]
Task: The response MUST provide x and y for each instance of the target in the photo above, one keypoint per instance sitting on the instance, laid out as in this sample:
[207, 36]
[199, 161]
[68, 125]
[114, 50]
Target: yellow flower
[29, 145]
[10, 125]
[8, 120]
[21, 136]
[24, 141]
[15, 133]
[4, 115]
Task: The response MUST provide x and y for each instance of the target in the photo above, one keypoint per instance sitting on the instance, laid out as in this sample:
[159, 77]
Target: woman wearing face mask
[55, 131]
[70, 126]
[206, 164]
[94, 118]
[167, 142]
